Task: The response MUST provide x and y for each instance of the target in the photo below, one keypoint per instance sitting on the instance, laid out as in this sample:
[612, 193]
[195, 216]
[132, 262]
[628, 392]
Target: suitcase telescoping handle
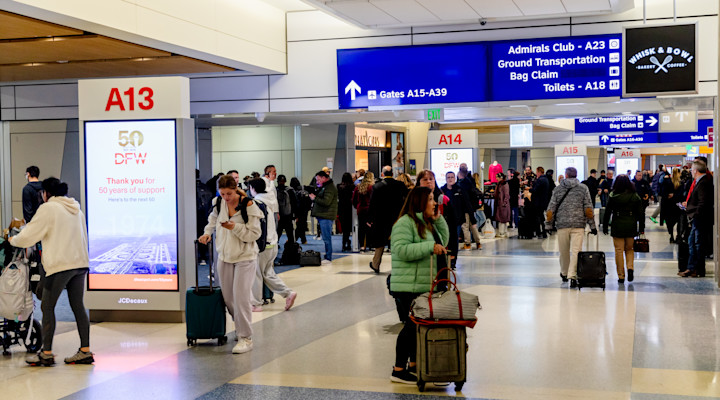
[211, 261]
[597, 241]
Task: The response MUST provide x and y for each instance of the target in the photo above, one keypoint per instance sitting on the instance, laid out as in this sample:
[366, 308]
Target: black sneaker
[621, 281]
[40, 359]
[573, 283]
[403, 376]
[563, 277]
[630, 276]
[412, 370]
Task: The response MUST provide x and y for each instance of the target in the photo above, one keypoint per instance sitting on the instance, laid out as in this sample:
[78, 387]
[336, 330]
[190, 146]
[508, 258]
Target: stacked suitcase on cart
[442, 343]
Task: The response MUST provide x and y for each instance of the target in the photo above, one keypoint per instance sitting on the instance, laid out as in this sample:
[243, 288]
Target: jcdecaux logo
[127, 300]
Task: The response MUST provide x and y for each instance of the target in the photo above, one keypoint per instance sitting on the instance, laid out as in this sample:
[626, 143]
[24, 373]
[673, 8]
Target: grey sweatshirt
[572, 211]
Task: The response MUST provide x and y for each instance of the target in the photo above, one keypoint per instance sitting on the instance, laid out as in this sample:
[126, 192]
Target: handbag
[641, 244]
[445, 305]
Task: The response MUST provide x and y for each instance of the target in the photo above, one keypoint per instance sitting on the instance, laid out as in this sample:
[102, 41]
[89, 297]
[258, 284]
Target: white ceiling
[406, 13]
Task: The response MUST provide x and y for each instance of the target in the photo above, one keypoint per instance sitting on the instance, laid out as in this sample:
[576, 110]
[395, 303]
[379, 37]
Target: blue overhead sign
[531, 69]
[556, 68]
[393, 76]
[617, 124]
[660, 137]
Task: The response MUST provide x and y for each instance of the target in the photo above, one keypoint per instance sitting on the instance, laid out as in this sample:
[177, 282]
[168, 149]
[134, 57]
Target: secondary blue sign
[393, 76]
[556, 68]
[531, 69]
[617, 124]
[660, 137]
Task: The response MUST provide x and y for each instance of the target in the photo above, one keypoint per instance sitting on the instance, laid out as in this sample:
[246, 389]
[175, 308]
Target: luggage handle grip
[211, 261]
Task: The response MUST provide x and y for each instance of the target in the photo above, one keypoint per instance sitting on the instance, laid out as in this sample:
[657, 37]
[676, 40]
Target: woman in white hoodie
[60, 225]
[265, 272]
[236, 223]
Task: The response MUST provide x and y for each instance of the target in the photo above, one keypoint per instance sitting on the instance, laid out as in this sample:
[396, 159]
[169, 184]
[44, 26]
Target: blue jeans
[515, 212]
[696, 259]
[480, 217]
[326, 233]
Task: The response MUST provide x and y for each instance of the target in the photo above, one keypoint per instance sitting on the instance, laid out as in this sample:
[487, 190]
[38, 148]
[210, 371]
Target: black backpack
[284, 202]
[262, 240]
[304, 201]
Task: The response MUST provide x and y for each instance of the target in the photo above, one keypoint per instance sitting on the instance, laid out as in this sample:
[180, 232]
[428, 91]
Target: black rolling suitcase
[441, 355]
[204, 309]
[591, 268]
[526, 227]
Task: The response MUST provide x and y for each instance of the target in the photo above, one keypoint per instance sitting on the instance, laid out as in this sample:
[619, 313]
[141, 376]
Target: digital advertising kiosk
[571, 155]
[627, 159]
[137, 147]
[450, 148]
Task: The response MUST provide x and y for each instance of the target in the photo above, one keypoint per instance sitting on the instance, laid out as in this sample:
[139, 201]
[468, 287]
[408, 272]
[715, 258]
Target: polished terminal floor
[654, 338]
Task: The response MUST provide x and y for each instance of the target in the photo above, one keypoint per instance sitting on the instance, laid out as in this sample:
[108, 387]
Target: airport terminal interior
[141, 106]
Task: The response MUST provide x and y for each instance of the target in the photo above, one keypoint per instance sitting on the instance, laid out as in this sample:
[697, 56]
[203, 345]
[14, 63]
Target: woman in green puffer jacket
[625, 208]
[413, 245]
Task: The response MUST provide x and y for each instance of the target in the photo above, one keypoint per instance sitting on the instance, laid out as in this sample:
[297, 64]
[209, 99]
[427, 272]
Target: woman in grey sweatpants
[235, 220]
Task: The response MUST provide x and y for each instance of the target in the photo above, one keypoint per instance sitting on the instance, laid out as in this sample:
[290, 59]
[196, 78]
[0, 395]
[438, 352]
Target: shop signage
[529, 69]
[460, 138]
[370, 137]
[660, 60]
[617, 124]
[701, 135]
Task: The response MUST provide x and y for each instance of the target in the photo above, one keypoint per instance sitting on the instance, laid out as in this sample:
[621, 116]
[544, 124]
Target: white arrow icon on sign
[605, 138]
[352, 87]
[652, 121]
[681, 115]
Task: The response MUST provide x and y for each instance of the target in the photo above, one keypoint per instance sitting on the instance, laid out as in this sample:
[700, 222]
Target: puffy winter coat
[411, 255]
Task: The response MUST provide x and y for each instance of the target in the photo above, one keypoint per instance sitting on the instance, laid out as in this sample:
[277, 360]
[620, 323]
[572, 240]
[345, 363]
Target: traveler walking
[592, 184]
[361, 201]
[386, 202]
[287, 207]
[60, 225]
[32, 193]
[656, 187]
[236, 224]
[460, 206]
[606, 187]
[642, 188]
[418, 235]
[540, 197]
[625, 210]
[325, 210]
[265, 271]
[345, 194]
[699, 206]
[302, 208]
[672, 194]
[514, 193]
[570, 210]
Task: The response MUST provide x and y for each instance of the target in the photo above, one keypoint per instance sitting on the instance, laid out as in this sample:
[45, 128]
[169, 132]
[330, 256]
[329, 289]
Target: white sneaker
[325, 262]
[244, 345]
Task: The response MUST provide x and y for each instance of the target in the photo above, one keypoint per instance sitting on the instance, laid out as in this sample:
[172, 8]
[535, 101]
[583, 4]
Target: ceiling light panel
[495, 8]
[407, 11]
[583, 6]
[362, 12]
[450, 10]
[545, 7]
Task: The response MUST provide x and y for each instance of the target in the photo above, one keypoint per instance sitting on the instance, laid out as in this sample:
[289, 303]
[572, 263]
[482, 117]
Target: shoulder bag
[557, 208]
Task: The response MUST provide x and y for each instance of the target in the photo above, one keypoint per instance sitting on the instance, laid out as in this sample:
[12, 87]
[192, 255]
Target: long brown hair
[228, 182]
[416, 202]
[676, 177]
[367, 182]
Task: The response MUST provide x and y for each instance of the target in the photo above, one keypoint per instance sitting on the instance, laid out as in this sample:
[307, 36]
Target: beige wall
[251, 148]
[38, 143]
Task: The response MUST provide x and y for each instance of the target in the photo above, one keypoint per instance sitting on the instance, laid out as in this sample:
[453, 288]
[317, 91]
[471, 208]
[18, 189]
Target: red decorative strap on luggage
[457, 293]
[464, 322]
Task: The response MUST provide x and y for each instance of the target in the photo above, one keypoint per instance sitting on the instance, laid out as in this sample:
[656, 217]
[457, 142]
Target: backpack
[262, 240]
[16, 301]
[303, 200]
[284, 202]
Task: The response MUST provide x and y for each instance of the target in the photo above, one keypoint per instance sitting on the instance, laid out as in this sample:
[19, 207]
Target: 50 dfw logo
[661, 58]
[130, 141]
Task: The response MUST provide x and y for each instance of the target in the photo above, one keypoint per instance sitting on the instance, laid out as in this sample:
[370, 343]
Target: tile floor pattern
[655, 338]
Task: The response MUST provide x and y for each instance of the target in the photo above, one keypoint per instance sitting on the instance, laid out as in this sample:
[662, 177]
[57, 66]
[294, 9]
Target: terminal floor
[655, 338]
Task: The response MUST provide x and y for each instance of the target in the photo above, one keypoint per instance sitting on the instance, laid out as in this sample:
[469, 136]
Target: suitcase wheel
[192, 342]
[421, 385]
[459, 386]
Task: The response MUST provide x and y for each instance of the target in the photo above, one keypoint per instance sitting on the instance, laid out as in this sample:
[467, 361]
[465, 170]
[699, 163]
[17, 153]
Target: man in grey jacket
[570, 208]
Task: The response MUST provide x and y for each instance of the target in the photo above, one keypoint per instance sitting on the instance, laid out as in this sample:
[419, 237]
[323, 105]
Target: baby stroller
[17, 325]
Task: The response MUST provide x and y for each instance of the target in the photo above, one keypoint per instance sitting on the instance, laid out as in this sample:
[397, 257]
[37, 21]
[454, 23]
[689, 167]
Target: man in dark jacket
[592, 183]
[606, 187]
[31, 193]
[388, 197]
[468, 223]
[699, 206]
[643, 190]
[325, 210]
[287, 204]
[514, 188]
[540, 199]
